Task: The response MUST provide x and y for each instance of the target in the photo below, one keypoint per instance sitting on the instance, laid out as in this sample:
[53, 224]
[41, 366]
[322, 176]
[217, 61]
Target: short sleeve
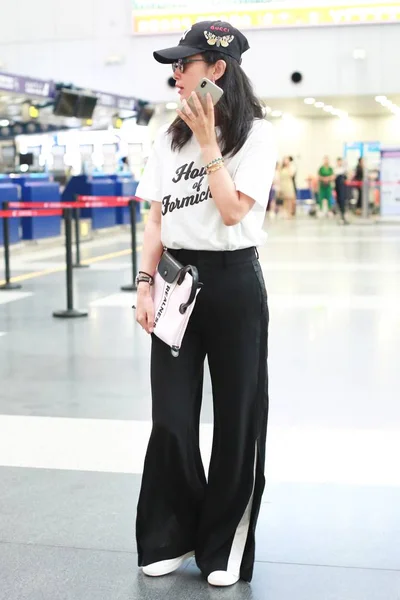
[150, 184]
[256, 170]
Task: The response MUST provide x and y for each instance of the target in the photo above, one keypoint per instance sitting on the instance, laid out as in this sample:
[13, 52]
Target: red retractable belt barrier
[11, 214]
[64, 205]
[67, 209]
[7, 214]
[371, 182]
[108, 199]
[81, 202]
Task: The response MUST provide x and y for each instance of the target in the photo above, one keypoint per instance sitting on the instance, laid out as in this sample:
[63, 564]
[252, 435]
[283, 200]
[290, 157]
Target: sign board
[113, 101]
[390, 182]
[16, 84]
[40, 88]
[173, 17]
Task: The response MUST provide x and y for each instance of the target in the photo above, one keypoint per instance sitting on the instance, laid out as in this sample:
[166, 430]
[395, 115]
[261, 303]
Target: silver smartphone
[204, 87]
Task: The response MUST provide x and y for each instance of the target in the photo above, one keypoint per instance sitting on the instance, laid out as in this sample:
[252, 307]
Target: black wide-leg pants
[179, 510]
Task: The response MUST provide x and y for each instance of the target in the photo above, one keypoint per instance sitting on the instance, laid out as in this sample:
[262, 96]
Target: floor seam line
[38, 545]
[324, 566]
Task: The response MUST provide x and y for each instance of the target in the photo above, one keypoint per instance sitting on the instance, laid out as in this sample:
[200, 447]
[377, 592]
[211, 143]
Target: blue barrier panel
[101, 217]
[77, 185]
[9, 193]
[40, 227]
[303, 194]
[83, 185]
[126, 186]
[24, 178]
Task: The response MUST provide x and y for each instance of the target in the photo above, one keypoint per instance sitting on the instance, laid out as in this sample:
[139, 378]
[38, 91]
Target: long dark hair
[234, 113]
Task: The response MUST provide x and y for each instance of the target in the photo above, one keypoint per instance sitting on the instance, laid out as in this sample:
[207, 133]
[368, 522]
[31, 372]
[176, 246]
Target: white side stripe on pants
[239, 541]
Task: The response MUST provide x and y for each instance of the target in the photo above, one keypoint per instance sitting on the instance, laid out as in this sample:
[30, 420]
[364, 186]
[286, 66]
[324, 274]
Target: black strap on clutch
[171, 270]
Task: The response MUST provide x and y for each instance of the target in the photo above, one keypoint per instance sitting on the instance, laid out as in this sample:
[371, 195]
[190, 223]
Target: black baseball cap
[203, 37]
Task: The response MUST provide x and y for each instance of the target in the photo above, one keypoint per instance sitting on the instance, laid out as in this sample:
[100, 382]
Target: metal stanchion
[71, 312]
[77, 264]
[8, 285]
[132, 213]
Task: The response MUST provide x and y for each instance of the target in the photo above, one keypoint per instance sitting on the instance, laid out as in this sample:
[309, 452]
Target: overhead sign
[25, 85]
[113, 101]
[173, 17]
[40, 88]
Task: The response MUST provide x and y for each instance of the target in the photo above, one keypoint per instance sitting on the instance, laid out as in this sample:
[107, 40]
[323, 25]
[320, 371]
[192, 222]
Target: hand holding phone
[203, 129]
[204, 87]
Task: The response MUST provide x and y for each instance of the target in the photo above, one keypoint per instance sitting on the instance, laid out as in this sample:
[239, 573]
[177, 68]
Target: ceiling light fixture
[389, 104]
[4, 123]
[309, 101]
[276, 113]
[319, 104]
[328, 108]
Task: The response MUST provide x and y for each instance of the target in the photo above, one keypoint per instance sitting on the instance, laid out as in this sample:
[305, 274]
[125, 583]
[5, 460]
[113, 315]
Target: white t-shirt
[190, 217]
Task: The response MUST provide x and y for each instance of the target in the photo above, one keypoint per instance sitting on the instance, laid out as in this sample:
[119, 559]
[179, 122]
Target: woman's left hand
[203, 123]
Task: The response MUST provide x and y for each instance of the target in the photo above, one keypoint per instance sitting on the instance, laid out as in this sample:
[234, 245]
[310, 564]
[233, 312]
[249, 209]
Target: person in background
[124, 166]
[359, 177]
[274, 199]
[340, 189]
[287, 189]
[326, 177]
[294, 173]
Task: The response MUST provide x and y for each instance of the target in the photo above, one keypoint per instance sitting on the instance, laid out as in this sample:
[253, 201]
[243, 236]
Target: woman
[325, 176]
[340, 188]
[359, 178]
[274, 201]
[287, 189]
[208, 188]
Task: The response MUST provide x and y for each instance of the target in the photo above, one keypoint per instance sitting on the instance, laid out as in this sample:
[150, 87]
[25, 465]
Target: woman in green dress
[326, 177]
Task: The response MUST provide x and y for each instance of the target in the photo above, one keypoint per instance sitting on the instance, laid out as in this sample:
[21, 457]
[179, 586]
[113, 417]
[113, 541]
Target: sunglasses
[182, 62]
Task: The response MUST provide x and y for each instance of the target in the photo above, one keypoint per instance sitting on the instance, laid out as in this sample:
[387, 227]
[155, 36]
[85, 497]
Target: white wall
[69, 41]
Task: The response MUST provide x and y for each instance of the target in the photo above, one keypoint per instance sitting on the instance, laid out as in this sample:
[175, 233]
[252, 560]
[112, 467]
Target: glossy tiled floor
[75, 417]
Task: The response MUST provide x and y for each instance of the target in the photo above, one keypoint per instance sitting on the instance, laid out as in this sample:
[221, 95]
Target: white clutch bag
[174, 292]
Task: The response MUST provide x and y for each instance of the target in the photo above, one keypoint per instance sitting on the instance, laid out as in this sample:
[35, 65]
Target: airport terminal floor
[75, 418]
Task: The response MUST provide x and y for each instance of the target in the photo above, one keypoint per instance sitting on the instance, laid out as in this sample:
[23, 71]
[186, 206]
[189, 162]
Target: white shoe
[222, 578]
[163, 567]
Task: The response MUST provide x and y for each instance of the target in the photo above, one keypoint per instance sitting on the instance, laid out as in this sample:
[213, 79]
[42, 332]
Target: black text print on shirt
[169, 205]
[187, 172]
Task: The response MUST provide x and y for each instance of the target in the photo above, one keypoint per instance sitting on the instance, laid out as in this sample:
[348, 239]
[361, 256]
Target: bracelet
[216, 167]
[144, 273]
[141, 278]
[214, 162]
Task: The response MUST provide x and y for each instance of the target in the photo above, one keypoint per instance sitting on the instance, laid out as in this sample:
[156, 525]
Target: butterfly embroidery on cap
[218, 40]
